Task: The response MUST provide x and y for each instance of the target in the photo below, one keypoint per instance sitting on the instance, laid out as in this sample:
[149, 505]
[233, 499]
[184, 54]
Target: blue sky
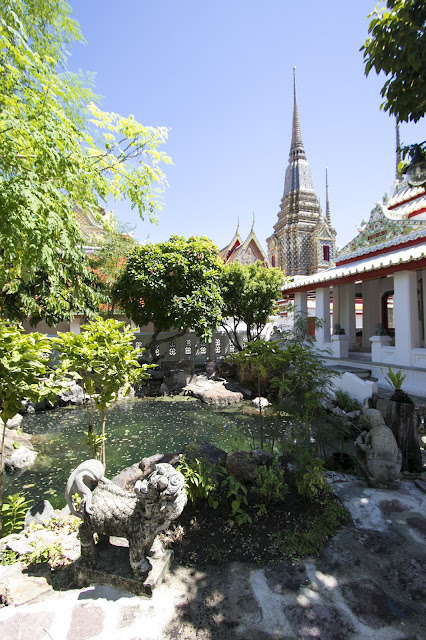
[219, 75]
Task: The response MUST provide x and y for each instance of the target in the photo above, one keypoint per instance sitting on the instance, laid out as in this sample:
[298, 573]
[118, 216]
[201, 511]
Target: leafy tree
[397, 47]
[249, 293]
[109, 261]
[103, 358]
[23, 362]
[59, 152]
[173, 284]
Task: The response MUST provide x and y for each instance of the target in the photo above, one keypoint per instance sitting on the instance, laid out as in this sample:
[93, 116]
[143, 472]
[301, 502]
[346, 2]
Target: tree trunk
[400, 417]
[103, 454]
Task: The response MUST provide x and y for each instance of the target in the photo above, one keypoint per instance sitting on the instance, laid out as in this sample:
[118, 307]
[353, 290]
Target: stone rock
[373, 606]
[41, 512]
[15, 422]
[337, 411]
[262, 402]
[20, 459]
[236, 386]
[261, 457]
[367, 404]
[354, 415]
[73, 395]
[213, 393]
[378, 456]
[202, 449]
[211, 368]
[372, 418]
[317, 621]
[241, 466]
[164, 389]
[13, 440]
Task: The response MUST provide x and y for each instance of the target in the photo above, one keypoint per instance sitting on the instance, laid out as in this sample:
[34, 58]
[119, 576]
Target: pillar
[424, 306]
[347, 311]
[336, 306]
[371, 310]
[407, 326]
[301, 302]
[322, 311]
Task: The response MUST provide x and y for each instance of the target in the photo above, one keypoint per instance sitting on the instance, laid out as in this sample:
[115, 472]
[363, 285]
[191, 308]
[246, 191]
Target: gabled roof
[236, 250]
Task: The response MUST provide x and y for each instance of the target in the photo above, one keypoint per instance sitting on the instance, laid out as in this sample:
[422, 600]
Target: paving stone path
[368, 583]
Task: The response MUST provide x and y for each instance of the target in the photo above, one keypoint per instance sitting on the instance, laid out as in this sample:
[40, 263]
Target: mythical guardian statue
[139, 516]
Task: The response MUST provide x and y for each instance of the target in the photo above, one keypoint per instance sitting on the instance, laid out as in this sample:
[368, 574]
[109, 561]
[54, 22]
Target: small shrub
[237, 492]
[200, 481]
[345, 402]
[270, 485]
[13, 512]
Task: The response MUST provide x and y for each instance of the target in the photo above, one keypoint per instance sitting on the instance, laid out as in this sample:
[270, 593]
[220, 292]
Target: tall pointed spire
[327, 198]
[297, 150]
[398, 151]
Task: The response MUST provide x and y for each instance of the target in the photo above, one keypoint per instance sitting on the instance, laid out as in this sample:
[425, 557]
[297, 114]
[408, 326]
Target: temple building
[303, 241]
[376, 292]
[244, 252]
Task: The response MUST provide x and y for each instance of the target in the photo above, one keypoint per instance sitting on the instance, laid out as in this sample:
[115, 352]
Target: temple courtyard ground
[369, 582]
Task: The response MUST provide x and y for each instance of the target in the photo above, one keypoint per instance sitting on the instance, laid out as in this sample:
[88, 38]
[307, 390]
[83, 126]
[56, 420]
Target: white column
[347, 312]
[371, 310]
[406, 315]
[75, 325]
[301, 302]
[336, 306]
[322, 311]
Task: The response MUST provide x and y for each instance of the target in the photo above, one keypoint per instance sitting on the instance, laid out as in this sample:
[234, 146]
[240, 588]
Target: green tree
[249, 293]
[23, 362]
[103, 358]
[174, 285]
[108, 262]
[59, 152]
[397, 46]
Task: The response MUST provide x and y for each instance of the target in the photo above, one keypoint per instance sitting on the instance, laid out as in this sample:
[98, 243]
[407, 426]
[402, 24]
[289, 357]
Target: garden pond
[135, 429]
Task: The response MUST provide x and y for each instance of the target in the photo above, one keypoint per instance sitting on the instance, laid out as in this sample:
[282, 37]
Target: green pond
[135, 428]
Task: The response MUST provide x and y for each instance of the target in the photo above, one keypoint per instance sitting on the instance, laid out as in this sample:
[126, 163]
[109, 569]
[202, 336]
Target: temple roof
[245, 252]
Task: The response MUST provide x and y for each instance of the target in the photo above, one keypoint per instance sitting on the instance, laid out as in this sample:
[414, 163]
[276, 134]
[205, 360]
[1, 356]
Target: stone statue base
[113, 569]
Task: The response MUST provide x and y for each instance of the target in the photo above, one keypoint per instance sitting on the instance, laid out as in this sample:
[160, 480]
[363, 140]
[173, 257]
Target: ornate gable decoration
[381, 232]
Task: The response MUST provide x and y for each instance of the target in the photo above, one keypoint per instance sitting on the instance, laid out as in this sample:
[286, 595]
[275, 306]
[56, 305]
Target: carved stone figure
[338, 330]
[137, 516]
[377, 452]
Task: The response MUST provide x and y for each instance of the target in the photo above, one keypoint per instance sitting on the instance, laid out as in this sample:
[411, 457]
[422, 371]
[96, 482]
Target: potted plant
[400, 418]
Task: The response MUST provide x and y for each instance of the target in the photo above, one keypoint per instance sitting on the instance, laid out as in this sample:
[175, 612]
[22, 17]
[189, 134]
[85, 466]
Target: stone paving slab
[369, 583]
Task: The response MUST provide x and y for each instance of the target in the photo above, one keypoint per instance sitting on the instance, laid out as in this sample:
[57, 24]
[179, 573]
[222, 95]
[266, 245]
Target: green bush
[13, 512]
[270, 485]
[345, 402]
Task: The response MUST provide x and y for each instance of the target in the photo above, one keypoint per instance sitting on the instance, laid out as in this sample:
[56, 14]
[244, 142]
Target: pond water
[135, 428]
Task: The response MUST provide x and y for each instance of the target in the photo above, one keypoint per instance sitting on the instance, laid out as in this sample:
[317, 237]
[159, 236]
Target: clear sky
[219, 75]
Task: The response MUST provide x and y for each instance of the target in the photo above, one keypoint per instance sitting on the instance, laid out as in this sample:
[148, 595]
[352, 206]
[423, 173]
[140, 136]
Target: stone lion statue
[137, 515]
[378, 456]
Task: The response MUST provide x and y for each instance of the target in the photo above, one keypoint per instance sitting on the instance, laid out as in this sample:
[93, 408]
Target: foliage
[237, 493]
[395, 380]
[310, 539]
[345, 402]
[173, 284]
[23, 362]
[397, 46]
[59, 154]
[309, 469]
[13, 512]
[270, 485]
[290, 371]
[108, 262]
[327, 429]
[103, 358]
[249, 293]
[200, 480]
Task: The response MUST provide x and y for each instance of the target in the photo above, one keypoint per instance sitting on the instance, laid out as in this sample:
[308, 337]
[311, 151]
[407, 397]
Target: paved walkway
[368, 583]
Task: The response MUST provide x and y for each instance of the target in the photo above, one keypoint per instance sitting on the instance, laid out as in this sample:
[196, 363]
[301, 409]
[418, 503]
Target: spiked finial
[297, 150]
[252, 226]
[398, 151]
[327, 205]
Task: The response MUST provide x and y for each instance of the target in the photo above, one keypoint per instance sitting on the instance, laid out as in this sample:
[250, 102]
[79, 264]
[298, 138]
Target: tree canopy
[173, 284]
[397, 46]
[249, 293]
[58, 151]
